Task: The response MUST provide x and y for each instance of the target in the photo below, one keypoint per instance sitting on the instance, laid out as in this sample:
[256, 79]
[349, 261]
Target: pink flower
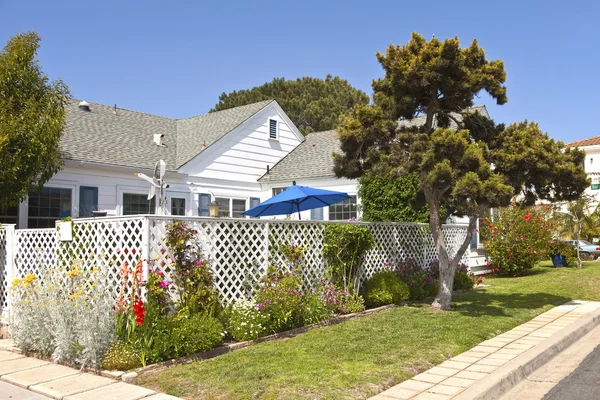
[197, 262]
[163, 284]
[293, 246]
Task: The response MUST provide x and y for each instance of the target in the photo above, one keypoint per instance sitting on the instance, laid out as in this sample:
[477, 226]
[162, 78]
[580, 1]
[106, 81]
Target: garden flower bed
[174, 312]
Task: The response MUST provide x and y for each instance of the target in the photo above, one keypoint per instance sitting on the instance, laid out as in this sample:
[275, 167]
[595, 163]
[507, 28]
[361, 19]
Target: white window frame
[180, 195]
[131, 190]
[24, 206]
[276, 129]
[231, 198]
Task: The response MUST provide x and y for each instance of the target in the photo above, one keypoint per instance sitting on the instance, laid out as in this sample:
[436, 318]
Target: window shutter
[272, 129]
[204, 204]
[254, 201]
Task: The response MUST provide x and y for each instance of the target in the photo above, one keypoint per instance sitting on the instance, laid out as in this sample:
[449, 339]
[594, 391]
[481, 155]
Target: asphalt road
[581, 384]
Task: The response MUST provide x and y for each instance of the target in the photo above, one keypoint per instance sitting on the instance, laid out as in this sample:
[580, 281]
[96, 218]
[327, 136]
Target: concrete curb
[498, 383]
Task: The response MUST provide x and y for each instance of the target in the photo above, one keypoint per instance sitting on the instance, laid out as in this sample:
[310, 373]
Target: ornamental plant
[421, 281]
[344, 249]
[385, 288]
[516, 238]
[64, 312]
[193, 274]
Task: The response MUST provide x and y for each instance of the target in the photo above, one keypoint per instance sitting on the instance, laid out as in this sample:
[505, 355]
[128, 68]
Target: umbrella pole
[298, 206]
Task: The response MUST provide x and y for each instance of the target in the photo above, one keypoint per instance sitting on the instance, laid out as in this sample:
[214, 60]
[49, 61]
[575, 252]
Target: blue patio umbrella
[295, 199]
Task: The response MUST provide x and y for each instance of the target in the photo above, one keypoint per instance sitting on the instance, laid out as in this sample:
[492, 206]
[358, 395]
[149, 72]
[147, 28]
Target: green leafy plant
[344, 249]
[193, 273]
[421, 281]
[517, 238]
[385, 288]
[246, 321]
[121, 356]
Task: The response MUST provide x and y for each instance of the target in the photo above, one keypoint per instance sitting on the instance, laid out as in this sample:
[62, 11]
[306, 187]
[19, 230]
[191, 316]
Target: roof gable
[196, 133]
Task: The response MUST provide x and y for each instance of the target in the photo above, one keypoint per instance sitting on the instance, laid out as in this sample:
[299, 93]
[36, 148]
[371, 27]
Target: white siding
[244, 154]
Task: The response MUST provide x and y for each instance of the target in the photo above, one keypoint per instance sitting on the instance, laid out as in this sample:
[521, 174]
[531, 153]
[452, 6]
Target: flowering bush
[246, 321]
[517, 238]
[385, 288]
[463, 279]
[421, 281]
[64, 313]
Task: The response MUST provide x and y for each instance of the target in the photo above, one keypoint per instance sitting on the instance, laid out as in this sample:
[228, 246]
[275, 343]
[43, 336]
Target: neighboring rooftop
[312, 158]
[593, 141]
[420, 120]
[112, 136]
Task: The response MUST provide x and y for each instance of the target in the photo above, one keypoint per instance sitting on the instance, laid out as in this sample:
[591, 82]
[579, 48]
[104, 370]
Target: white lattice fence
[3, 271]
[240, 250]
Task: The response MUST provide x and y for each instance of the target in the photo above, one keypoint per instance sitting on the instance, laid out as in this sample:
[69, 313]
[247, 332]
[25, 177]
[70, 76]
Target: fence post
[11, 268]
[145, 250]
[265, 265]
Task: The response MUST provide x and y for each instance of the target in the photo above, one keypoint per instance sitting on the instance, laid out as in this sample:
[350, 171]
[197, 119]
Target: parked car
[586, 248]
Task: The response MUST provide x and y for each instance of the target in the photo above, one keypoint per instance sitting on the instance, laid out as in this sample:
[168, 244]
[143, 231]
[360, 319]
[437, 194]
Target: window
[273, 129]
[223, 203]
[177, 206]
[239, 206]
[88, 200]
[47, 206]
[254, 201]
[316, 214]
[9, 215]
[138, 204]
[204, 204]
[343, 211]
[276, 191]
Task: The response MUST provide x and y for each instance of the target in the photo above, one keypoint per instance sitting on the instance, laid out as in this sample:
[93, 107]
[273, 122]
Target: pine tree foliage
[469, 166]
[312, 104]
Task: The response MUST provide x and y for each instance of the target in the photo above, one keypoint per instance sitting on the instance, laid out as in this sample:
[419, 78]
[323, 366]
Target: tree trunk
[579, 265]
[447, 269]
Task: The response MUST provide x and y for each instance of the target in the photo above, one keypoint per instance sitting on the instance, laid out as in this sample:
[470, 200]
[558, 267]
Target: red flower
[521, 237]
[527, 217]
[509, 255]
[494, 233]
[139, 310]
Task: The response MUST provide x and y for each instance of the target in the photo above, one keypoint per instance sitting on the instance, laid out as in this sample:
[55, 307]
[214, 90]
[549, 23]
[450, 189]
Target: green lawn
[359, 358]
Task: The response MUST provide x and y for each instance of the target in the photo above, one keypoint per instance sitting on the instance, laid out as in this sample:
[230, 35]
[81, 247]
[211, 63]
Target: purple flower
[163, 284]
[197, 262]
[268, 302]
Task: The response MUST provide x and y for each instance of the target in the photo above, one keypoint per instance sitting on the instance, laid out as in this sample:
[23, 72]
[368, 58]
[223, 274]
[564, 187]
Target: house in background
[216, 156]
[591, 163]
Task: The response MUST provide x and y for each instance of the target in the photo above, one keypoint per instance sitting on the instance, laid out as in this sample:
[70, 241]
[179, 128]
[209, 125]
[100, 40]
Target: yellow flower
[75, 271]
[15, 283]
[75, 295]
[29, 279]
[95, 270]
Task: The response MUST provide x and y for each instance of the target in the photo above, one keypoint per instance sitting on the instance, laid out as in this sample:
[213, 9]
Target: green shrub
[463, 280]
[344, 249]
[352, 304]
[198, 333]
[385, 288]
[121, 356]
[312, 309]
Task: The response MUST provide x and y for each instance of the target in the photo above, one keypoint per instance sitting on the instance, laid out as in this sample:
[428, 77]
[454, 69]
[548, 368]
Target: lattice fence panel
[106, 245]
[35, 249]
[3, 271]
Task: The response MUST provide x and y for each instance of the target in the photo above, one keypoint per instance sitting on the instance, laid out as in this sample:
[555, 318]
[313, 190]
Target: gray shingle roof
[126, 138]
[312, 158]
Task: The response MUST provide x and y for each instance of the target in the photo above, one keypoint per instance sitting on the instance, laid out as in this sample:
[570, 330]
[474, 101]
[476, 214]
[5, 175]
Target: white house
[236, 157]
[591, 163]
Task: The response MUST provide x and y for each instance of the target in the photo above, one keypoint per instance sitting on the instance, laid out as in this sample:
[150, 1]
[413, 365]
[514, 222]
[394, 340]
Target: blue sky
[176, 58]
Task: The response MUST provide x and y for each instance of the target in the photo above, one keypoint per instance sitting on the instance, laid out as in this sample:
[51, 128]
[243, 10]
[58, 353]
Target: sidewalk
[475, 367]
[60, 382]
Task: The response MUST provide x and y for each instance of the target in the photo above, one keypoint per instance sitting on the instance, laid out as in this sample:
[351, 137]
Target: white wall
[244, 153]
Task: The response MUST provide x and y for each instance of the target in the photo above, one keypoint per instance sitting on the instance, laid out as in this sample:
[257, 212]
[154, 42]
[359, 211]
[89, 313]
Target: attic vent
[273, 129]
[84, 105]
